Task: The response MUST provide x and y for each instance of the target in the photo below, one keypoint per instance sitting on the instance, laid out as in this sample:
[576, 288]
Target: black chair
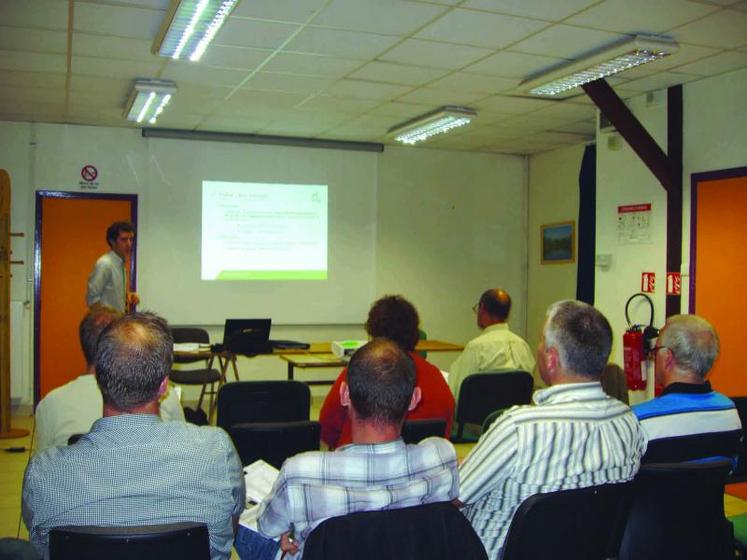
[274, 442]
[678, 512]
[203, 376]
[186, 541]
[740, 473]
[414, 431]
[483, 393]
[435, 531]
[263, 401]
[74, 438]
[579, 524]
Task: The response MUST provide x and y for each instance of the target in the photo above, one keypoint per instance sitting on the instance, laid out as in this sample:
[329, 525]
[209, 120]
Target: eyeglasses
[475, 308]
[652, 352]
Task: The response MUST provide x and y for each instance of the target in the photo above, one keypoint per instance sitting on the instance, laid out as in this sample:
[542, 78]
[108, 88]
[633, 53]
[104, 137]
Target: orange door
[720, 270]
[70, 236]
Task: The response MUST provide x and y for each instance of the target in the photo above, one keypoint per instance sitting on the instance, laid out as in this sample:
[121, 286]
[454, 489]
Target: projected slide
[264, 231]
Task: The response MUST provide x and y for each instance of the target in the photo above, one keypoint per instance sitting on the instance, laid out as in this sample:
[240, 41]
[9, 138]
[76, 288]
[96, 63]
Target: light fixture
[148, 99]
[439, 121]
[637, 50]
[189, 26]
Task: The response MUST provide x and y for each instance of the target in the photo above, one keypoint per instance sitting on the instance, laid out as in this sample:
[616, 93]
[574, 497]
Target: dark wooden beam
[631, 129]
[674, 194]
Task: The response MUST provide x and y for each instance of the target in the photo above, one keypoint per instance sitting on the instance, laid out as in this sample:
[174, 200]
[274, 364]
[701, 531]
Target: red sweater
[436, 402]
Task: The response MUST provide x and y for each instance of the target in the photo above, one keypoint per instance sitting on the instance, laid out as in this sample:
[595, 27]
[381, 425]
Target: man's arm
[274, 515]
[333, 415]
[98, 279]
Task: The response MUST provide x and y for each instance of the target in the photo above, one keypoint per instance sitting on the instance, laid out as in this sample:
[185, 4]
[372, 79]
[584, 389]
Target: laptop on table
[247, 336]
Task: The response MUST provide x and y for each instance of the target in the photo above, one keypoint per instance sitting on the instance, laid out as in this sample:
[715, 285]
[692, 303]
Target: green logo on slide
[272, 275]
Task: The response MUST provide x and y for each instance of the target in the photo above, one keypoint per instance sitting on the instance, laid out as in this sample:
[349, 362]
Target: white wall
[449, 224]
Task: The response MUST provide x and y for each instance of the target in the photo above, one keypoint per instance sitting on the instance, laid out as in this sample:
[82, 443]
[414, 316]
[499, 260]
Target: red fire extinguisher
[636, 344]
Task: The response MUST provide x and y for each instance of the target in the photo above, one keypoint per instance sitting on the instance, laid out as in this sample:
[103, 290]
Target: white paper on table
[258, 478]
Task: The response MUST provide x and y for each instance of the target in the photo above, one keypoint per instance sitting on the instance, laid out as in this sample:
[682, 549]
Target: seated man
[689, 421]
[132, 468]
[395, 318]
[75, 406]
[377, 471]
[576, 436]
[496, 348]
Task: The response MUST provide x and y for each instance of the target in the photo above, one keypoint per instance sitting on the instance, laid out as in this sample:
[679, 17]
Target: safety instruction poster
[634, 224]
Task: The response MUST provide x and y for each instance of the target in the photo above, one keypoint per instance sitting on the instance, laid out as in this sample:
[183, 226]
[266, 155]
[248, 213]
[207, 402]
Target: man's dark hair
[395, 318]
[381, 379]
[96, 320]
[134, 355]
[581, 335]
[113, 231]
[496, 302]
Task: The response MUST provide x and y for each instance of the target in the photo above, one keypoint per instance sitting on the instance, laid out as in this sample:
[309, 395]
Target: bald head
[494, 307]
[96, 320]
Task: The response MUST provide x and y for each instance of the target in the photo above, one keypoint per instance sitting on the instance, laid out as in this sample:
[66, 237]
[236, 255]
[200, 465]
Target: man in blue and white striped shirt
[576, 436]
[689, 421]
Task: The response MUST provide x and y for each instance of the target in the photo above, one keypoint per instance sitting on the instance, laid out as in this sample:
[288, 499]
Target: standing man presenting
[107, 283]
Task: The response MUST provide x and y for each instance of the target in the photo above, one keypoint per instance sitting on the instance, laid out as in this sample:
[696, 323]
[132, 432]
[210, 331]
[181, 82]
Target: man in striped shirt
[576, 436]
[689, 421]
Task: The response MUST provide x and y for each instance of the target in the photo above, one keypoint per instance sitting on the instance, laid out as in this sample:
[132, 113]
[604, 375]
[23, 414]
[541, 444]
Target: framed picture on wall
[558, 243]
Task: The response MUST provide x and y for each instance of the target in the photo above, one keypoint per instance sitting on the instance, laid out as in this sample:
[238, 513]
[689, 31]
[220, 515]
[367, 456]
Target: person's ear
[344, 394]
[163, 387]
[552, 360]
[417, 394]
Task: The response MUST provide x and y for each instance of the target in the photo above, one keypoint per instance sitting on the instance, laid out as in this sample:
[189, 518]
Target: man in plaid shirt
[377, 471]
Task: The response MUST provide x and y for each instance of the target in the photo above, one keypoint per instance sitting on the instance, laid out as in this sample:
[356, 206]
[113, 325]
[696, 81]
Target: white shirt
[575, 437]
[495, 349]
[106, 283]
[75, 406]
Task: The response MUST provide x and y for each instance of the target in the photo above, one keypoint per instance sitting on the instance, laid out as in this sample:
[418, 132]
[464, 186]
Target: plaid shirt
[317, 485]
[134, 469]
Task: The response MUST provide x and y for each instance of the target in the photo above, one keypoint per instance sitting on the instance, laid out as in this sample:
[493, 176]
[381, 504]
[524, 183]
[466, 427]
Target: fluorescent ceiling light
[189, 27]
[439, 121]
[616, 58]
[148, 100]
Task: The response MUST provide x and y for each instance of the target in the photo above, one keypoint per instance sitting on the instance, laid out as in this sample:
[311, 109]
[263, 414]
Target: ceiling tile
[366, 90]
[43, 14]
[32, 79]
[559, 137]
[512, 105]
[95, 98]
[396, 73]
[683, 55]
[640, 16]
[401, 110]
[234, 57]
[335, 42]
[114, 87]
[438, 97]
[35, 40]
[434, 55]
[111, 68]
[658, 81]
[31, 95]
[566, 112]
[245, 125]
[540, 9]
[32, 62]
[239, 32]
[296, 11]
[565, 41]
[246, 99]
[311, 64]
[725, 29]
[480, 29]
[346, 104]
[724, 62]
[513, 64]
[292, 83]
[587, 126]
[108, 46]
[474, 83]
[396, 17]
[202, 74]
[121, 21]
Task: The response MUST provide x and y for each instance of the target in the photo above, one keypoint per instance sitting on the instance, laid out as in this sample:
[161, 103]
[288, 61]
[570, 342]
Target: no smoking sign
[89, 174]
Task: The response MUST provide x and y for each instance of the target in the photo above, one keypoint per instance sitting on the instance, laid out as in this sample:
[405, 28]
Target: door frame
[40, 196]
[695, 180]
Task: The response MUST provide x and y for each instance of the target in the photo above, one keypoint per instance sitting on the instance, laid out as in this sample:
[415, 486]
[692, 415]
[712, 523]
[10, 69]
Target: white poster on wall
[634, 224]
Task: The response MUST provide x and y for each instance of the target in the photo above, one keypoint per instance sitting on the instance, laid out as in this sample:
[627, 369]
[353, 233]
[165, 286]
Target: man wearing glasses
[689, 421]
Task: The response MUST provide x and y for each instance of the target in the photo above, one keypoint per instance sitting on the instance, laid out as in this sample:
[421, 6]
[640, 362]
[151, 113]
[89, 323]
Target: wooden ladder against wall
[5, 429]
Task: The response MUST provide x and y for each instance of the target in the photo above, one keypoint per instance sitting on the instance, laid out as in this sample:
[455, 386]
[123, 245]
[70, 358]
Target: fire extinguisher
[636, 344]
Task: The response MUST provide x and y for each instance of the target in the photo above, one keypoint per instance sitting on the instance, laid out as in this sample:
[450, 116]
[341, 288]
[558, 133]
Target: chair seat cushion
[195, 376]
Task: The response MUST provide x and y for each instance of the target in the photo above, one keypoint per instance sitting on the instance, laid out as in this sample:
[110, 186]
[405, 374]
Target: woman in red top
[395, 318]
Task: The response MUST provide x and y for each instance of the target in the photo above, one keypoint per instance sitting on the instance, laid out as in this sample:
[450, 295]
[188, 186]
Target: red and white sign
[648, 282]
[89, 172]
[627, 208]
[674, 284]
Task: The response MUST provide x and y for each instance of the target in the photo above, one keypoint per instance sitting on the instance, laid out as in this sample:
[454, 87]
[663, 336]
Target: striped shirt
[575, 437]
[689, 422]
[134, 469]
[317, 485]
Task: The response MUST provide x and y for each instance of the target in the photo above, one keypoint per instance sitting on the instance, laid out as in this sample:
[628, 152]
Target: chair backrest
[189, 334]
[483, 393]
[74, 438]
[435, 531]
[263, 401]
[186, 541]
[579, 524]
[414, 431]
[678, 512]
[740, 473]
[274, 442]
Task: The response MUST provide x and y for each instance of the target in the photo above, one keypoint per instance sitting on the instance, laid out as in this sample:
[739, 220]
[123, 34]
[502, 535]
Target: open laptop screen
[247, 336]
